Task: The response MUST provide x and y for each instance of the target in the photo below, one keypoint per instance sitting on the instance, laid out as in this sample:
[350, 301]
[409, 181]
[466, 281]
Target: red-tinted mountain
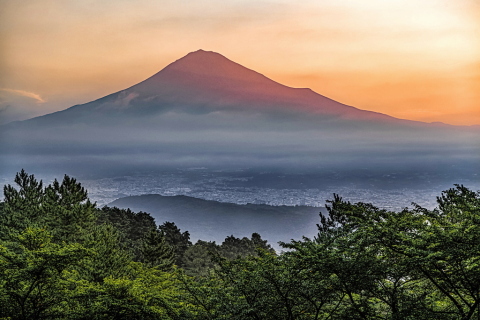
[208, 77]
[204, 82]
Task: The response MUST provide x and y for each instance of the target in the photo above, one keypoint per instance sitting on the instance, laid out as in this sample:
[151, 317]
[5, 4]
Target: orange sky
[407, 58]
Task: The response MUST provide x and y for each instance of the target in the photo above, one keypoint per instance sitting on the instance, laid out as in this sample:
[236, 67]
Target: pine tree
[109, 258]
[64, 209]
[69, 211]
[22, 207]
[179, 241]
[156, 252]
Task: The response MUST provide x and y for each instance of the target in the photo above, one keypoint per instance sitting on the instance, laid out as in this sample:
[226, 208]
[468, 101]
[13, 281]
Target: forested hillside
[213, 220]
[63, 258]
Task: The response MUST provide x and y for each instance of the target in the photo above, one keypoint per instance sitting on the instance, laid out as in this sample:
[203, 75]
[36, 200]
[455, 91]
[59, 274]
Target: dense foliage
[62, 258]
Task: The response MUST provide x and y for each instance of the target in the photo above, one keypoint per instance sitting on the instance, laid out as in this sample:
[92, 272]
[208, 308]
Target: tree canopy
[63, 258]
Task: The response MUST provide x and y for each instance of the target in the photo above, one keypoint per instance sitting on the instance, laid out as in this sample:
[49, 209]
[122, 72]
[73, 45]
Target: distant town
[237, 187]
[224, 187]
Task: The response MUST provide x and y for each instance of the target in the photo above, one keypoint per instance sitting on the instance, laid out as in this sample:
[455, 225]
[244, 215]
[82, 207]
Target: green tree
[442, 245]
[69, 212]
[21, 207]
[132, 226]
[179, 241]
[197, 259]
[155, 251]
[63, 209]
[144, 293]
[57, 260]
[33, 275]
[109, 259]
[233, 247]
[370, 281]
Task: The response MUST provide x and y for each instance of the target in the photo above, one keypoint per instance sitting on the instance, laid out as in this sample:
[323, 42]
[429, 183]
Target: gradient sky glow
[410, 59]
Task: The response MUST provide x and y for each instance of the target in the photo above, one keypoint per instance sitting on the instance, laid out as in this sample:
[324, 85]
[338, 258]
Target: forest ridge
[61, 257]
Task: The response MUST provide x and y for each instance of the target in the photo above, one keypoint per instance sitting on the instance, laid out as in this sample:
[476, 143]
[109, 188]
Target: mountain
[213, 221]
[207, 82]
[203, 82]
[205, 110]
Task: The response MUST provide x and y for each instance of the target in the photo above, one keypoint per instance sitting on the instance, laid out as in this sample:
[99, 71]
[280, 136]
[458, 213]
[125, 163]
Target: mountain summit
[206, 82]
[211, 65]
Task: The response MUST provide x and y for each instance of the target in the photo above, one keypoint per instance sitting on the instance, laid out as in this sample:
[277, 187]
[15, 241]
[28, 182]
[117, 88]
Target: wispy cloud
[24, 93]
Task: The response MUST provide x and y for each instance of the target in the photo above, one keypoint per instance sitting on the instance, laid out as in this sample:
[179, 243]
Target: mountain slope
[205, 82]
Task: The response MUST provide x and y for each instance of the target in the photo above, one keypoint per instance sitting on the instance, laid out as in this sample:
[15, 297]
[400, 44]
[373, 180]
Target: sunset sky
[410, 59]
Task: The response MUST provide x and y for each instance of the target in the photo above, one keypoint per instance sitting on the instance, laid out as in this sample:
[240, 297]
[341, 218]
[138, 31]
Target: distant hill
[213, 220]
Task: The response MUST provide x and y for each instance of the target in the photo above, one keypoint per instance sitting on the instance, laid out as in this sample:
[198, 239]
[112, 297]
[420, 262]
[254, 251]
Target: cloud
[20, 105]
[24, 93]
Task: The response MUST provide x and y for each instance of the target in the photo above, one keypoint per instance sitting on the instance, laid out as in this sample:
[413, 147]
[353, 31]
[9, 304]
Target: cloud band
[24, 93]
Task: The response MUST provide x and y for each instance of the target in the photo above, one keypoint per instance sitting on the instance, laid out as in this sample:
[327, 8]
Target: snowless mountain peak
[209, 64]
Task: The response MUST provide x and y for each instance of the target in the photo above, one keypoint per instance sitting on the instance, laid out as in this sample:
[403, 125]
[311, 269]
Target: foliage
[132, 226]
[155, 251]
[59, 259]
[62, 258]
[63, 208]
[197, 259]
[179, 241]
[33, 274]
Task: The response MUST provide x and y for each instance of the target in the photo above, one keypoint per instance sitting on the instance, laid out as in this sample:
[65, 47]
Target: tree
[197, 259]
[33, 275]
[342, 267]
[64, 209]
[442, 246]
[58, 261]
[109, 259]
[233, 247]
[155, 251]
[179, 241]
[60, 258]
[21, 207]
[144, 293]
[132, 227]
[68, 210]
